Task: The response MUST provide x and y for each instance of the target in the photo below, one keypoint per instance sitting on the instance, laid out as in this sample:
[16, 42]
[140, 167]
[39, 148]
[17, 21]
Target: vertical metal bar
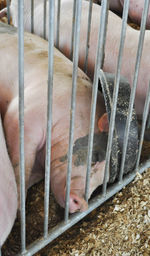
[44, 19]
[133, 89]
[115, 94]
[8, 11]
[21, 119]
[0, 252]
[73, 29]
[58, 24]
[99, 60]
[88, 36]
[49, 113]
[145, 114]
[73, 102]
[32, 16]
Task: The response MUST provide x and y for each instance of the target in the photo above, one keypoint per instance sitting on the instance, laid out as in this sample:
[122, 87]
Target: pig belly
[8, 191]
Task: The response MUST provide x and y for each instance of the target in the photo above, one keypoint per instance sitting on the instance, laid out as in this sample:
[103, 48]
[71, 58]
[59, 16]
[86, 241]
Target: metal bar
[44, 19]
[0, 252]
[73, 29]
[32, 16]
[8, 11]
[145, 114]
[133, 89]
[49, 113]
[88, 36]
[21, 119]
[115, 93]
[58, 24]
[73, 102]
[94, 203]
[99, 59]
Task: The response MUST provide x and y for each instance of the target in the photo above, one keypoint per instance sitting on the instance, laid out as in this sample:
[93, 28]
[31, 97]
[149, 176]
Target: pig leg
[31, 138]
[3, 13]
[8, 191]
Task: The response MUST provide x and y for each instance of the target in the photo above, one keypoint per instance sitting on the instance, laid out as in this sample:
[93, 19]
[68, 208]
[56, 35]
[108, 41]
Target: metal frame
[123, 181]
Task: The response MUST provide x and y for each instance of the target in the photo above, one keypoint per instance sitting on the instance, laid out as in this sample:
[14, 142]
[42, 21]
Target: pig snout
[77, 203]
[76, 200]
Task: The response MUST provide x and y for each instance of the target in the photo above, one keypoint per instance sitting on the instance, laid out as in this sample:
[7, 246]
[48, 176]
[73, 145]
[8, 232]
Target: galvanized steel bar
[58, 23]
[99, 58]
[145, 114]
[73, 102]
[8, 11]
[88, 36]
[115, 94]
[133, 89]
[94, 203]
[49, 112]
[44, 18]
[21, 119]
[73, 28]
[32, 16]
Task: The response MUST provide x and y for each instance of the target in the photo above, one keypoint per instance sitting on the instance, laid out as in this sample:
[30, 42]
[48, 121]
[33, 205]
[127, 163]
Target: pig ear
[103, 123]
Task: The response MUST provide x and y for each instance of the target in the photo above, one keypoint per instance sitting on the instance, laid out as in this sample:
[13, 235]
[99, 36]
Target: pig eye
[75, 201]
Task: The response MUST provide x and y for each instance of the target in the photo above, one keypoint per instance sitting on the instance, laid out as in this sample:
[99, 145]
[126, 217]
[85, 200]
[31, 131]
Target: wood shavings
[120, 227]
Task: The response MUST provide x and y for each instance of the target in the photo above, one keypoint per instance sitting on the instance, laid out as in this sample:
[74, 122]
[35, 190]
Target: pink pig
[111, 47]
[35, 75]
[135, 10]
[8, 191]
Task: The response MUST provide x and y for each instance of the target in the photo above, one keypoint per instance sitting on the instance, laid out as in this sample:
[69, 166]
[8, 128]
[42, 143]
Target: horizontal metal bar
[94, 203]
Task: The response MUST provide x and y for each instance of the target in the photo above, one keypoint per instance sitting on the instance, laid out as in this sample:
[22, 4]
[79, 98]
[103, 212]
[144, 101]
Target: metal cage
[107, 191]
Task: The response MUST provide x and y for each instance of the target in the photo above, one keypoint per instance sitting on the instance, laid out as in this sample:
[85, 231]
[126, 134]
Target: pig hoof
[77, 204]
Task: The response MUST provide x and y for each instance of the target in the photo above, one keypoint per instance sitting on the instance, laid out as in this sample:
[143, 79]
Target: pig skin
[35, 93]
[135, 10]
[8, 191]
[111, 47]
